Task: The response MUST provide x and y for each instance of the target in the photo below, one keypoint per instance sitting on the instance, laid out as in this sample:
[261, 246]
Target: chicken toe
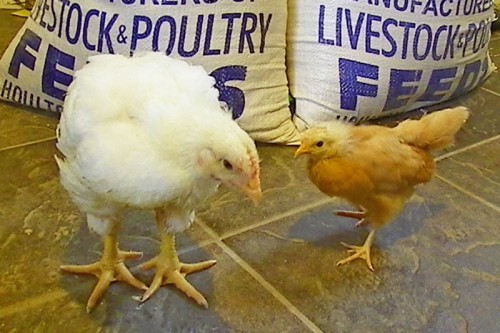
[109, 269]
[169, 270]
[362, 252]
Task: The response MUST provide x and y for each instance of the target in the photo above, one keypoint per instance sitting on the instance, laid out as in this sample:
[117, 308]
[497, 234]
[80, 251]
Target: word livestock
[419, 40]
[184, 35]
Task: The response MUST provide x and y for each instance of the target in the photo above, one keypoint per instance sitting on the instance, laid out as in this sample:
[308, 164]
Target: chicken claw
[109, 269]
[169, 270]
[362, 252]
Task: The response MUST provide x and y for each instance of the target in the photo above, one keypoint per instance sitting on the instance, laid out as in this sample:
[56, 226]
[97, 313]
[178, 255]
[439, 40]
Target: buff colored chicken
[148, 132]
[376, 168]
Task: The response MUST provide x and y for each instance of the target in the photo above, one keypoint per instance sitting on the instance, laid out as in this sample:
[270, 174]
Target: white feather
[131, 133]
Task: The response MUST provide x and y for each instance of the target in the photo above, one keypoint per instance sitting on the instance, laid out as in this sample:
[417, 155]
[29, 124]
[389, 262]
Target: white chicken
[148, 132]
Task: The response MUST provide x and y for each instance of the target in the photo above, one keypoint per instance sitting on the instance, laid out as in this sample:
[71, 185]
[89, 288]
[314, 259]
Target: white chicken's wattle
[148, 132]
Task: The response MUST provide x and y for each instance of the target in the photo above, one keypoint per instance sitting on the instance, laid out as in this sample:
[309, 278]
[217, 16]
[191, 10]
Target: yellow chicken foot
[109, 269]
[361, 216]
[362, 252]
[169, 270]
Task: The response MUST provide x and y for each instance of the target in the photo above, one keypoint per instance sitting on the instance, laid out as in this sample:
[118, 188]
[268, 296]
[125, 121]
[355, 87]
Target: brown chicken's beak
[252, 190]
[301, 151]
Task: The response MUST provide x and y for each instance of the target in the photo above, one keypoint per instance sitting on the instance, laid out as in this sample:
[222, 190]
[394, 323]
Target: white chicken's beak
[252, 190]
[301, 151]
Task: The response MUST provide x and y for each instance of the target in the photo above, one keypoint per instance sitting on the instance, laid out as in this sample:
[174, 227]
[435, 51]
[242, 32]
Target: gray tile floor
[437, 265]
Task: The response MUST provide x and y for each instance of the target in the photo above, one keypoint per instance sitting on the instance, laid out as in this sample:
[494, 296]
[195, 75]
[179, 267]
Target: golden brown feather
[376, 168]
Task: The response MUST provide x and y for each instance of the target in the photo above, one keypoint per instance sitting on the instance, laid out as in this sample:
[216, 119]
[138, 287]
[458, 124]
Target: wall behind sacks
[240, 42]
[359, 59]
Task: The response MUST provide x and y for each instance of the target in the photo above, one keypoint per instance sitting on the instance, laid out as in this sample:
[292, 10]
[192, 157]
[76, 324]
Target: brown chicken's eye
[319, 144]
[227, 165]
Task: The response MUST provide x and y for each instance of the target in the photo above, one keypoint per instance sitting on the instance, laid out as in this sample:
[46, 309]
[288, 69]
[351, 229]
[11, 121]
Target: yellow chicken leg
[362, 252]
[109, 269]
[169, 270]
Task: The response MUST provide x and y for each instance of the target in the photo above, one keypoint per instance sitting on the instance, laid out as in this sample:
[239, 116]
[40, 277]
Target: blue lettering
[416, 42]
[401, 7]
[21, 54]
[74, 8]
[430, 6]
[229, 31]
[104, 29]
[449, 49]
[469, 78]
[246, 32]
[321, 27]
[172, 29]
[436, 43]
[136, 33]
[414, 4]
[338, 29]
[439, 84]
[264, 27]
[370, 33]
[442, 11]
[354, 34]
[471, 32]
[182, 39]
[52, 75]
[86, 21]
[407, 26]
[350, 87]
[388, 36]
[399, 93]
[208, 37]
[52, 27]
[61, 15]
[232, 96]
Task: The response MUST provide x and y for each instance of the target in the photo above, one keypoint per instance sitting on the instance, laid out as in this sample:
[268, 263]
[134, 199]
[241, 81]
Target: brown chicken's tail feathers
[433, 131]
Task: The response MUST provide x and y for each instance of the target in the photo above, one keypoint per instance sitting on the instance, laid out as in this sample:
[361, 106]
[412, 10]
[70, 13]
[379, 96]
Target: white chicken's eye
[319, 144]
[227, 165]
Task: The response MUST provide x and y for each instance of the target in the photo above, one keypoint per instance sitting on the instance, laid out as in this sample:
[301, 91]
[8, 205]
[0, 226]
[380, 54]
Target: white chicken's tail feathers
[433, 131]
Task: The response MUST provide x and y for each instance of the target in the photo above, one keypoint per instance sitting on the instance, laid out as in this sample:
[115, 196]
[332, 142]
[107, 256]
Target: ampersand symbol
[121, 38]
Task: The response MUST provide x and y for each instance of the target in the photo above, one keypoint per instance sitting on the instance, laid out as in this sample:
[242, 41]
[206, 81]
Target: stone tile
[494, 47]
[20, 125]
[436, 268]
[9, 26]
[60, 315]
[493, 82]
[237, 303]
[285, 186]
[476, 170]
[41, 228]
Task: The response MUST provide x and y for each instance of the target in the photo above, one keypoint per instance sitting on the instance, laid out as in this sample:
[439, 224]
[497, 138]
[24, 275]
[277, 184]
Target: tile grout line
[469, 193]
[260, 279]
[278, 217]
[21, 145]
[490, 91]
[256, 225]
[469, 147]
